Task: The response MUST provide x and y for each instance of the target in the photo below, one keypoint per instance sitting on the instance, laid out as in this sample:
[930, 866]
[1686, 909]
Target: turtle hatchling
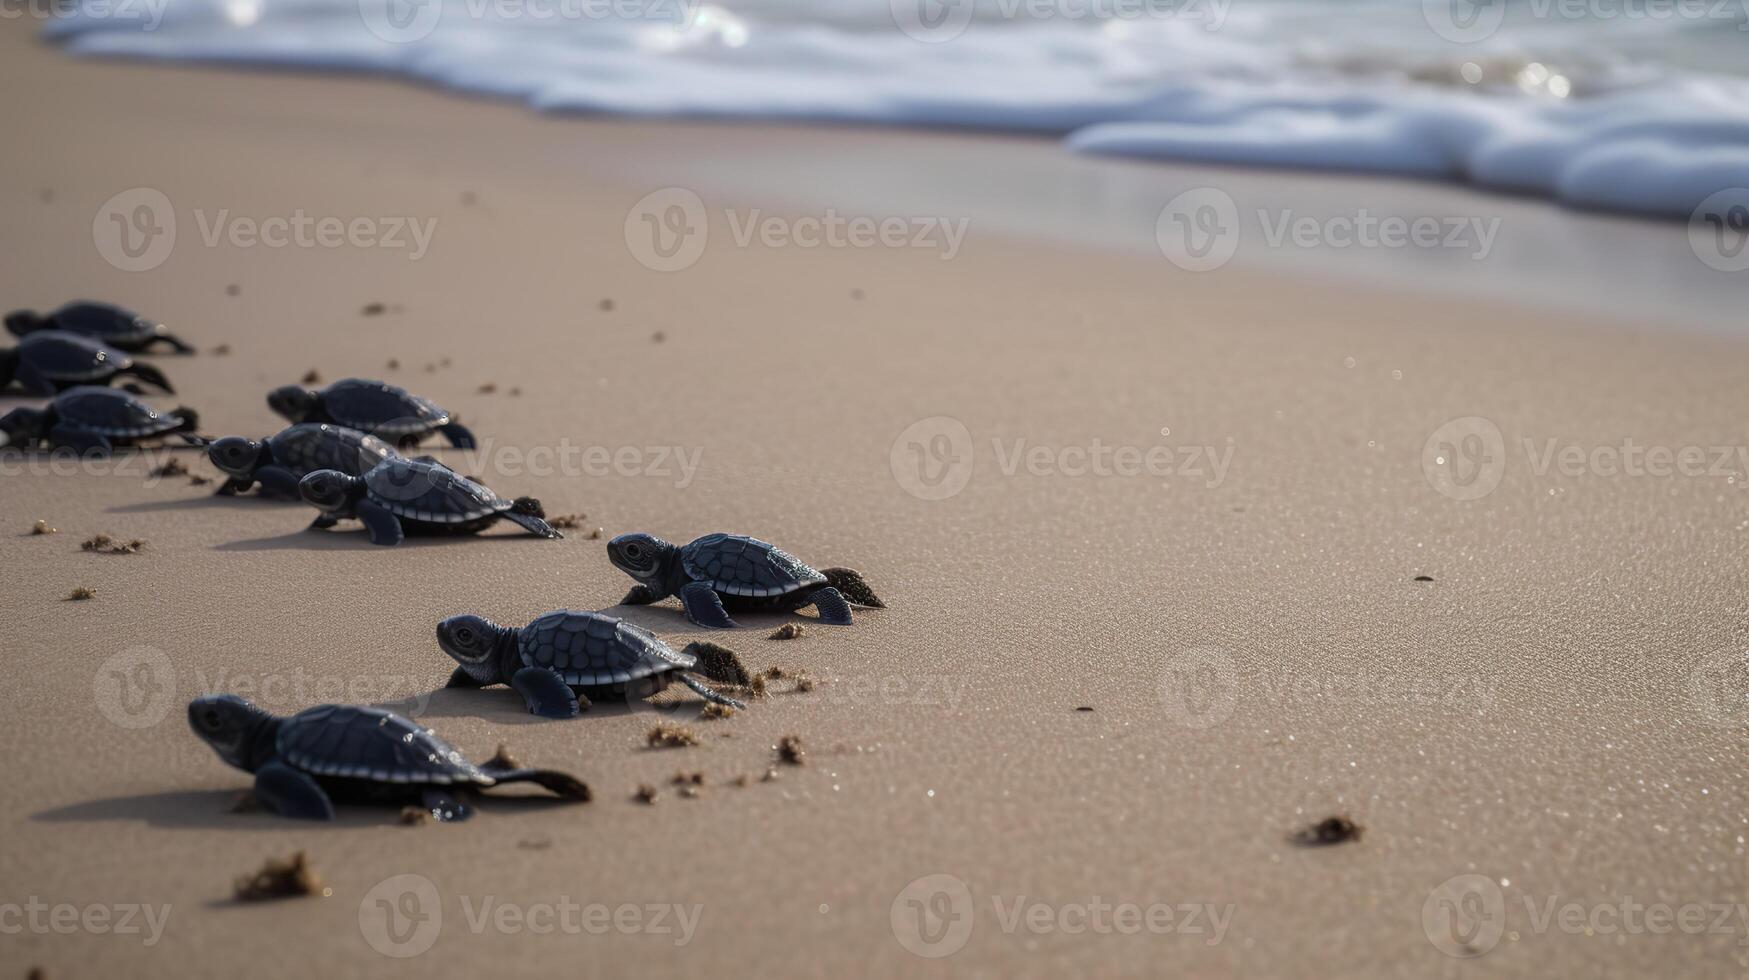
[91, 419]
[102, 322]
[49, 361]
[719, 572]
[280, 461]
[387, 411]
[302, 764]
[563, 658]
[400, 496]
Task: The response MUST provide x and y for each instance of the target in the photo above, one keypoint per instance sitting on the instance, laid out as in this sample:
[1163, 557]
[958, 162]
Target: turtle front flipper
[640, 595]
[458, 435]
[233, 486]
[35, 382]
[834, 611]
[384, 527]
[546, 693]
[705, 692]
[79, 440]
[291, 793]
[461, 678]
[444, 806]
[176, 343]
[278, 481]
[150, 375]
[705, 607]
[849, 584]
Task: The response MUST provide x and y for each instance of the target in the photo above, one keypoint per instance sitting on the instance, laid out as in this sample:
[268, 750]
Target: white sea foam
[1619, 104]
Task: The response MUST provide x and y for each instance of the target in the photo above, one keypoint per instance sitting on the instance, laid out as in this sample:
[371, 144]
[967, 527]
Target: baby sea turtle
[53, 360]
[558, 661]
[736, 572]
[303, 763]
[91, 419]
[279, 462]
[399, 495]
[382, 409]
[102, 322]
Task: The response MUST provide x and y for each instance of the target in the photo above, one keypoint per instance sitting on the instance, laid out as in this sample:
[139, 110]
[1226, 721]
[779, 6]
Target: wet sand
[1558, 711]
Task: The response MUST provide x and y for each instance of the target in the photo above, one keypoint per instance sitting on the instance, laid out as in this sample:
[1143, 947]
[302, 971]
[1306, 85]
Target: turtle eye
[464, 635]
[210, 719]
[633, 551]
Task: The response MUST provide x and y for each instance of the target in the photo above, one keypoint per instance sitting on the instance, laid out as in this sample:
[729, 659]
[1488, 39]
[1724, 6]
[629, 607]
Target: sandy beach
[1150, 541]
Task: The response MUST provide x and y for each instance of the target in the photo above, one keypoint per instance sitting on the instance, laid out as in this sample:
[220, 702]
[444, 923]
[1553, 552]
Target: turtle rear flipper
[849, 583]
[150, 375]
[705, 692]
[560, 784]
[719, 663]
[21, 322]
[81, 441]
[834, 611]
[528, 512]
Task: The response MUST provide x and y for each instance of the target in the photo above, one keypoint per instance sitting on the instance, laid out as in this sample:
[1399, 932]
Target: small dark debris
[1423, 578]
[487, 389]
[171, 467]
[788, 631]
[658, 337]
[105, 545]
[198, 481]
[42, 527]
[311, 377]
[446, 362]
[790, 751]
[281, 879]
[666, 736]
[46, 195]
[684, 778]
[223, 350]
[374, 309]
[415, 816]
[468, 199]
[36, 973]
[646, 794]
[1330, 830]
[714, 711]
[741, 780]
[606, 306]
[1084, 708]
[516, 392]
[233, 289]
[540, 843]
[81, 594]
[857, 294]
[567, 522]
[393, 365]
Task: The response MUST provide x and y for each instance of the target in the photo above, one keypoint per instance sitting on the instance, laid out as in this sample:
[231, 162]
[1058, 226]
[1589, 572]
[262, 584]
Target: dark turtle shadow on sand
[355, 539]
[667, 618]
[500, 705]
[216, 810]
[267, 505]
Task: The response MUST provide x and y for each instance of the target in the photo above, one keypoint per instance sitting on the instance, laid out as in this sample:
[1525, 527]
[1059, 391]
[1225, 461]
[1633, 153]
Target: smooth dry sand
[1559, 711]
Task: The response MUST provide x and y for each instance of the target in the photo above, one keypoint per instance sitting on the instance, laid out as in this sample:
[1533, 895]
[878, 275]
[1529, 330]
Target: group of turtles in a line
[341, 455]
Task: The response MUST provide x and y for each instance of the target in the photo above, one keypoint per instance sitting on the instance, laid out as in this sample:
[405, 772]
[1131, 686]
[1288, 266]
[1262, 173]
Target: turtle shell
[108, 323]
[62, 356]
[734, 564]
[353, 742]
[312, 446]
[426, 490]
[385, 409]
[588, 649]
[113, 413]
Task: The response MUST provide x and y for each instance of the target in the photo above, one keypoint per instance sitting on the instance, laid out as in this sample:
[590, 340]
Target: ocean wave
[1576, 100]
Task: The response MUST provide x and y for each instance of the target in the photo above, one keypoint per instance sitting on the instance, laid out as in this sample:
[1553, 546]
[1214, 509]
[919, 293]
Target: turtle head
[231, 725]
[293, 402]
[329, 490]
[237, 456]
[473, 642]
[21, 322]
[642, 556]
[21, 426]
